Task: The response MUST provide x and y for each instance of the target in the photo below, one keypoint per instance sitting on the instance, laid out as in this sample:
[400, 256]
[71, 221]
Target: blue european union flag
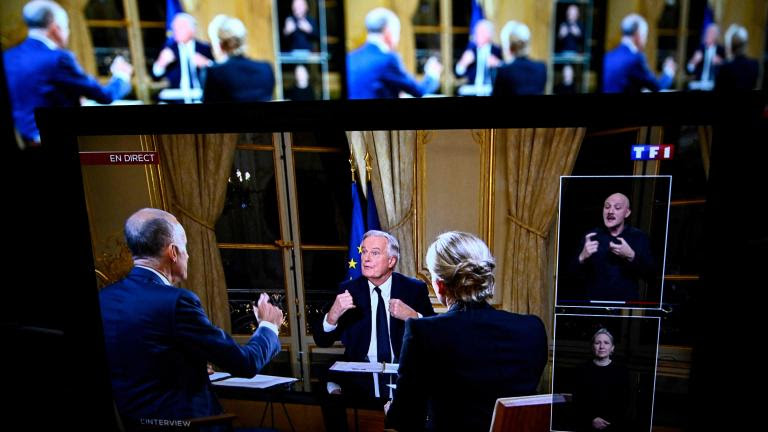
[172, 7]
[356, 232]
[475, 16]
[372, 215]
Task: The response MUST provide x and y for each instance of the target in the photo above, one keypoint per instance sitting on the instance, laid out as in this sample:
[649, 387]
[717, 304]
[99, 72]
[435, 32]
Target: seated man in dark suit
[237, 79]
[42, 73]
[158, 338]
[479, 58]
[455, 365]
[375, 70]
[183, 59]
[740, 72]
[369, 315]
[521, 76]
[625, 69]
[706, 59]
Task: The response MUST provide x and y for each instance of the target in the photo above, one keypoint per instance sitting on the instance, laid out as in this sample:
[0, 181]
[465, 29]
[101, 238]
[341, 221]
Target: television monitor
[474, 164]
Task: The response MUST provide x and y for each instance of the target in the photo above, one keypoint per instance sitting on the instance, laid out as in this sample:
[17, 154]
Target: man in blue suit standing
[158, 338]
[42, 73]
[625, 69]
[375, 70]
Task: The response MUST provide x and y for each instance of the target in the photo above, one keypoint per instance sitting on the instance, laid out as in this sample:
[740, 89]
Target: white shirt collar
[39, 34]
[386, 288]
[162, 276]
[378, 40]
[626, 40]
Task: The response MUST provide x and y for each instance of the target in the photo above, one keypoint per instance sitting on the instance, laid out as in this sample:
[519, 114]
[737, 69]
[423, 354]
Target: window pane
[462, 11]
[677, 323]
[151, 10]
[686, 240]
[250, 212]
[248, 274]
[323, 271]
[322, 184]
[109, 43]
[687, 169]
[428, 13]
[427, 45]
[322, 139]
[154, 40]
[606, 155]
[105, 10]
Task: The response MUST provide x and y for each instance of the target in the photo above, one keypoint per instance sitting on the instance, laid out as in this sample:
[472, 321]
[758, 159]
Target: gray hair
[515, 38]
[604, 331]
[149, 231]
[393, 246]
[232, 34]
[379, 19]
[187, 17]
[736, 38]
[634, 23]
[39, 14]
[464, 263]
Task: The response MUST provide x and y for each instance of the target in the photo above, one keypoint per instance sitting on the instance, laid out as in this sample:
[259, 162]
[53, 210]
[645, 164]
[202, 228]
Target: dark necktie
[383, 352]
[382, 331]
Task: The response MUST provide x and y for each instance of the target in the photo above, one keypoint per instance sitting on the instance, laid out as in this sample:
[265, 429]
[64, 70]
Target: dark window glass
[105, 10]
[606, 154]
[322, 183]
[462, 11]
[427, 13]
[323, 271]
[249, 273]
[250, 212]
[686, 240]
[154, 40]
[688, 177]
[677, 322]
[151, 10]
[109, 43]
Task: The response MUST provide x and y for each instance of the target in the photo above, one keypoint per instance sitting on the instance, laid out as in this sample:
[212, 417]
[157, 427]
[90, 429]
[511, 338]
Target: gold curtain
[536, 158]
[80, 37]
[404, 9]
[393, 156]
[195, 168]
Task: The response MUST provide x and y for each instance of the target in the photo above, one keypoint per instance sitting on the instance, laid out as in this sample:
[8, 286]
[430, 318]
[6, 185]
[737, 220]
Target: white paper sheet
[259, 381]
[390, 368]
[218, 375]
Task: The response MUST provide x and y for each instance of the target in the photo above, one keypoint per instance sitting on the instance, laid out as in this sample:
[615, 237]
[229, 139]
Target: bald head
[615, 211]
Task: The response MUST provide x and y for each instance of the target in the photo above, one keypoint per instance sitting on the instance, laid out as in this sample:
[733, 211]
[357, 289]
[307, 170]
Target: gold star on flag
[360, 250]
[352, 264]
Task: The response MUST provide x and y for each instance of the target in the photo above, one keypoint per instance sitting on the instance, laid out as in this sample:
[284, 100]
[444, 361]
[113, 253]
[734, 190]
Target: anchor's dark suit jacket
[158, 341]
[354, 327]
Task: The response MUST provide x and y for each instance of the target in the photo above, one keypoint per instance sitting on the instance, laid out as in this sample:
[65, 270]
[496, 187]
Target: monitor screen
[601, 213]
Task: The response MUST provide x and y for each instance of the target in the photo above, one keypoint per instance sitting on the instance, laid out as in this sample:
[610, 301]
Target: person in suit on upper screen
[706, 60]
[625, 68]
[375, 70]
[42, 73]
[615, 257]
[237, 78]
[183, 59]
[740, 72]
[570, 36]
[521, 75]
[455, 365]
[158, 338]
[479, 59]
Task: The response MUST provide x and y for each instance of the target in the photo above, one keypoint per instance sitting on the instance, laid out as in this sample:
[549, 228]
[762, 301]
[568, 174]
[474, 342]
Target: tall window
[284, 231]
